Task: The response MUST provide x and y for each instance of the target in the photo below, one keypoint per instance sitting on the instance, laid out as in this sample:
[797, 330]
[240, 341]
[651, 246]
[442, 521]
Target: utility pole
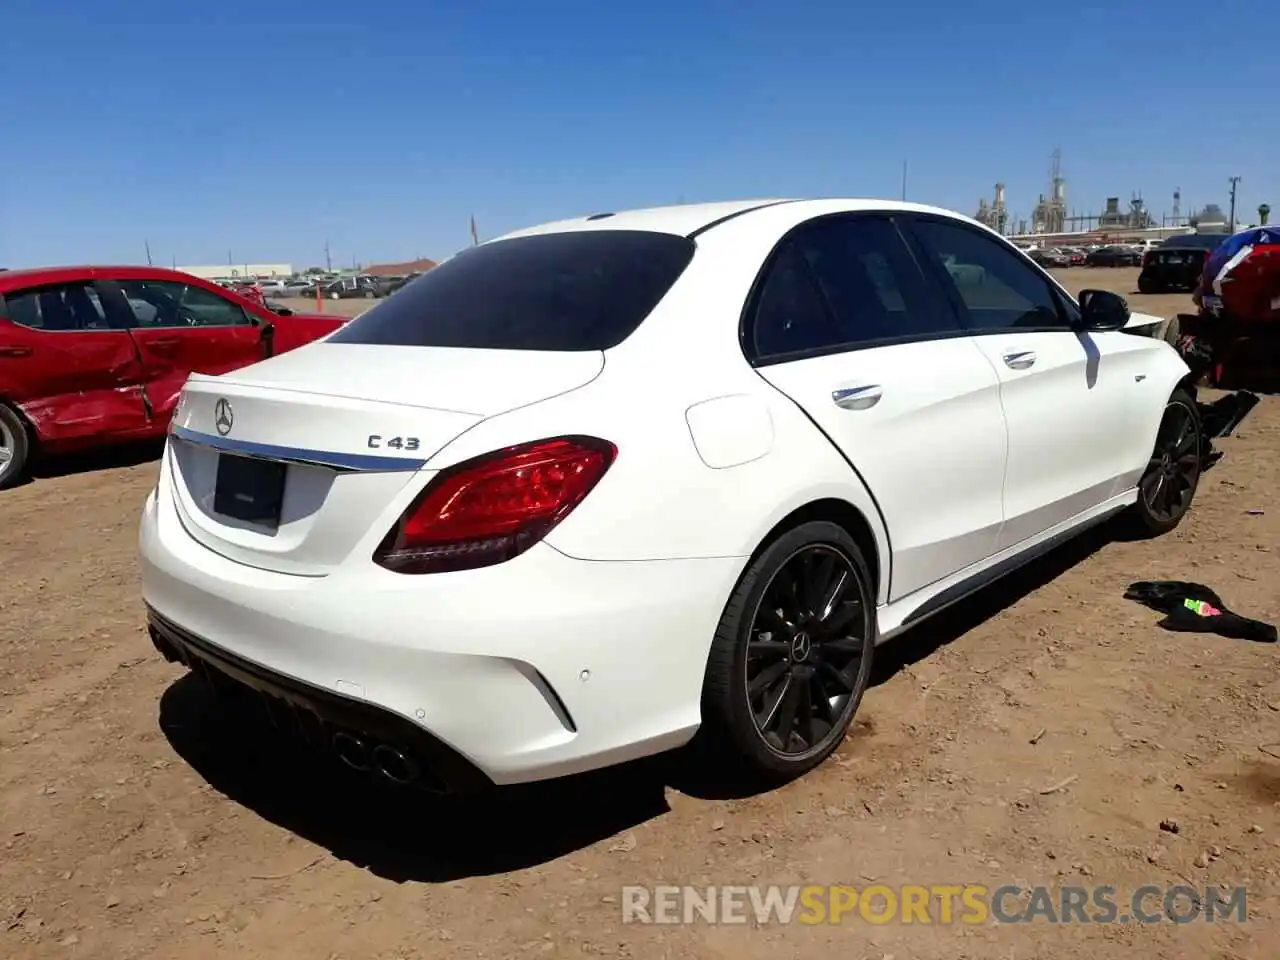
[1234, 181]
[328, 262]
[147, 243]
[904, 181]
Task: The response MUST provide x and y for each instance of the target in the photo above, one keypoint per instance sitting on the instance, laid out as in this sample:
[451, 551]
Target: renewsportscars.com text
[933, 904]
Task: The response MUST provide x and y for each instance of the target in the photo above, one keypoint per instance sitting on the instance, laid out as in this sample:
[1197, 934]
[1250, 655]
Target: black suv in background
[1178, 262]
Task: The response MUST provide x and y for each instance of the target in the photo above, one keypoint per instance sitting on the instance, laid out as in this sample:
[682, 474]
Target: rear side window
[841, 284]
[61, 308]
[577, 291]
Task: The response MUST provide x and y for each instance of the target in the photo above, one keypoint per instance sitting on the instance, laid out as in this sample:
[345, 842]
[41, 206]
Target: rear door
[181, 329]
[75, 375]
[1071, 399]
[847, 326]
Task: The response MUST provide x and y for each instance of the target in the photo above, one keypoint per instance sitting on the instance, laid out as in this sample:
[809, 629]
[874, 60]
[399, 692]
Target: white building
[241, 270]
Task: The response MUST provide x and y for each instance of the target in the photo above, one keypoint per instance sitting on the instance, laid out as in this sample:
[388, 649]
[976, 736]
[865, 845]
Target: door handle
[15, 351]
[1019, 359]
[166, 342]
[857, 398]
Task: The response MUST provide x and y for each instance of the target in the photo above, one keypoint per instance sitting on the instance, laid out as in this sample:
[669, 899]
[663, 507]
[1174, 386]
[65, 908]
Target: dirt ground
[139, 820]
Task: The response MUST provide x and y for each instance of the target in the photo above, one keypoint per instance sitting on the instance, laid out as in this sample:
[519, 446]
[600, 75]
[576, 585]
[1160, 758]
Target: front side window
[999, 289]
[61, 307]
[168, 303]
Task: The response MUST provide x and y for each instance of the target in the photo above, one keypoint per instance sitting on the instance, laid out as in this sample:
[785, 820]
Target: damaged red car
[96, 356]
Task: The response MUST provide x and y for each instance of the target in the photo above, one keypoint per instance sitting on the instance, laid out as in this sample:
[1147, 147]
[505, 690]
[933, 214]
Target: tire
[15, 448]
[1173, 471]
[1146, 286]
[733, 734]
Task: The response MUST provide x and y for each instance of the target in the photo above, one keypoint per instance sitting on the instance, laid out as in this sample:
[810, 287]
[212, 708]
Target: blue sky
[267, 128]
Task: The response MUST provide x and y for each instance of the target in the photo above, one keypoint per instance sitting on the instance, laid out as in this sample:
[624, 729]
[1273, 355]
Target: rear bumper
[321, 717]
[536, 668]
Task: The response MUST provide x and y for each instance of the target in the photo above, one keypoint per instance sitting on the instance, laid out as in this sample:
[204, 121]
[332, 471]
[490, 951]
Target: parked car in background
[92, 356]
[1114, 255]
[385, 285]
[1075, 255]
[348, 288]
[1178, 262]
[755, 439]
[1050, 258]
[397, 283]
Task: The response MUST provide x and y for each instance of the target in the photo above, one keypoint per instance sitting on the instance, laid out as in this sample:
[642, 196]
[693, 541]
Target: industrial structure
[1051, 220]
[995, 215]
[1050, 216]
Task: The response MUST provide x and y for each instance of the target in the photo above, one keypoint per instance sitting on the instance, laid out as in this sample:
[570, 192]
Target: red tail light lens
[495, 507]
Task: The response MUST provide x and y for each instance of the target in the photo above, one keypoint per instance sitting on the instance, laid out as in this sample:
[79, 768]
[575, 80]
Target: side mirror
[1102, 310]
[268, 336]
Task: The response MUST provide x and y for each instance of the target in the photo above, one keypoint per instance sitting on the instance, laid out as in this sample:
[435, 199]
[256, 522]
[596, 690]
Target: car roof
[1190, 240]
[693, 218]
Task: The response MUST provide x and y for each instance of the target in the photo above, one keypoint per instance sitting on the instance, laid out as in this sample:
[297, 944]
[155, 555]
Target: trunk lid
[289, 464]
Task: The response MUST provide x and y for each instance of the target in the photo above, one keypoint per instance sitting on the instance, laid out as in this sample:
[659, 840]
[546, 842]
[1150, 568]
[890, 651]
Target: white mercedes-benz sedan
[607, 486]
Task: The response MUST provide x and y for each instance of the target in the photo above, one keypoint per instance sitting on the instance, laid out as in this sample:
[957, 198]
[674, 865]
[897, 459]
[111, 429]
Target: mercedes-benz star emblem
[800, 647]
[223, 417]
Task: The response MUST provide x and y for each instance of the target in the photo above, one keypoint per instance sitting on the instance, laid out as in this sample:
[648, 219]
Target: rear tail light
[492, 508]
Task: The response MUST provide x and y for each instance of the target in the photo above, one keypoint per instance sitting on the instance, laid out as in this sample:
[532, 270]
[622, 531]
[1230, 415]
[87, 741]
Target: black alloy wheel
[791, 657]
[1173, 472]
[806, 651]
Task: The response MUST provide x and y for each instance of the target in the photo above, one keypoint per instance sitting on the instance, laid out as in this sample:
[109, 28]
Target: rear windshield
[583, 290]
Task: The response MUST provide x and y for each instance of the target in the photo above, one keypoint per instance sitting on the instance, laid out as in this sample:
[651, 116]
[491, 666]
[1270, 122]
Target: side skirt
[911, 610]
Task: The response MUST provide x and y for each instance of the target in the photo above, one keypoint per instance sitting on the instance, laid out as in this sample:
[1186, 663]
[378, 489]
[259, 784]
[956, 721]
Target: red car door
[73, 373]
[184, 328]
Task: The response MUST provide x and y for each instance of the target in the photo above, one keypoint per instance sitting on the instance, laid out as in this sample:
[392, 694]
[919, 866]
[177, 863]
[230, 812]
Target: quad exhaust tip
[353, 751]
[394, 764]
[391, 762]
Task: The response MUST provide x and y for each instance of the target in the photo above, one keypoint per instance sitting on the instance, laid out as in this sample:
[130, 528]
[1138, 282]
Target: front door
[1066, 394]
[848, 327]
